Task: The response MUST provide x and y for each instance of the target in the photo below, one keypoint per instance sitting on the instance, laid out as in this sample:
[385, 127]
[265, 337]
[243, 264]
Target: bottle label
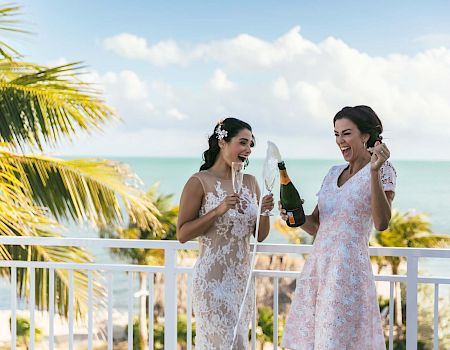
[291, 218]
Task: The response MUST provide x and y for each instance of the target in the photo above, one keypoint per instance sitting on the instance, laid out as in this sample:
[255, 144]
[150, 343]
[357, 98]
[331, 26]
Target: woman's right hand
[229, 202]
[283, 212]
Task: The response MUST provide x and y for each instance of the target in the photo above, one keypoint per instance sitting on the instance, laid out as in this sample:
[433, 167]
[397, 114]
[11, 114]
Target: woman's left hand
[380, 153]
[267, 203]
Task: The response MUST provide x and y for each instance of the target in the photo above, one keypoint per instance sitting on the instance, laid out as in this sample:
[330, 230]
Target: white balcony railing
[171, 271]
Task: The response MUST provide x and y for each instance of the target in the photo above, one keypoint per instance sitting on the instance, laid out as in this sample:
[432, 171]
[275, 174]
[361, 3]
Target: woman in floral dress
[335, 303]
[223, 221]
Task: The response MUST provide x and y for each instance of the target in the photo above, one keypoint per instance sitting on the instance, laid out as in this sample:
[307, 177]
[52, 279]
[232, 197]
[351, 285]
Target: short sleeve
[388, 176]
[334, 168]
[320, 190]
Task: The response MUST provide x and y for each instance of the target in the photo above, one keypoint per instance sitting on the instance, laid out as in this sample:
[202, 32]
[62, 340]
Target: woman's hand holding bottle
[283, 212]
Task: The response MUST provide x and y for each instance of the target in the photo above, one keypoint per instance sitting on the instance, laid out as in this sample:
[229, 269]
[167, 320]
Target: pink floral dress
[335, 303]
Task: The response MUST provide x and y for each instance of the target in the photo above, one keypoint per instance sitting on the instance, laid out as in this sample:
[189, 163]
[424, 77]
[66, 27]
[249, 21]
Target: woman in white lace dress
[335, 303]
[223, 221]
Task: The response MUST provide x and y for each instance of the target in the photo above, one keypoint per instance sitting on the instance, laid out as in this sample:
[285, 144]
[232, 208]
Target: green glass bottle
[290, 199]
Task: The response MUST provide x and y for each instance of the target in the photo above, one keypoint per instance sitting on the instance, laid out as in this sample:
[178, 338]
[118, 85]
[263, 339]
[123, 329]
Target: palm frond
[24, 219]
[84, 189]
[40, 105]
[430, 241]
[10, 70]
[58, 255]
[8, 24]
[167, 218]
[407, 229]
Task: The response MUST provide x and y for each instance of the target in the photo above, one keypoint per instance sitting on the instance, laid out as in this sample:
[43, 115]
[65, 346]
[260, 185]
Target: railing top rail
[175, 245]
[97, 242]
[81, 266]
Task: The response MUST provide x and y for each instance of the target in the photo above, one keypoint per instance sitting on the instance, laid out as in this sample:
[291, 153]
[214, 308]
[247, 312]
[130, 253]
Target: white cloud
[175, 113]
[244, 49]
[434, 40]
[132, 87]
[220, 81]
[248, 51]
[140, 104]
[281, 89]
[289, 87]
[132, 46]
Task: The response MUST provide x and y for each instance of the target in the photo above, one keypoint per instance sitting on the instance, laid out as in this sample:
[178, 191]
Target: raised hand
[380, 153]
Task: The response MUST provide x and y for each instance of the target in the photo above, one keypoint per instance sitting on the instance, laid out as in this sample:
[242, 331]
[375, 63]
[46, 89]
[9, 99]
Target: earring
[365, 144]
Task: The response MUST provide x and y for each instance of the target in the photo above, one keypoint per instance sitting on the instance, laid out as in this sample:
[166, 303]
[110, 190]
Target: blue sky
[173, 68]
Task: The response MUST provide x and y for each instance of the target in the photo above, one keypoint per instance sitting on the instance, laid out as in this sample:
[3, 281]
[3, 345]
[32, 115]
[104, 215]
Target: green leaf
[40, 105]
[8, 24]
[83, 189]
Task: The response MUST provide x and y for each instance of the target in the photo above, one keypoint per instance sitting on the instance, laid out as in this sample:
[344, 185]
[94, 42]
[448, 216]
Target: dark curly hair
[365, 119]
[232, 126]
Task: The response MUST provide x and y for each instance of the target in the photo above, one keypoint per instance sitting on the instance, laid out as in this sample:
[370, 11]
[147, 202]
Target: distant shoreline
[338, 160]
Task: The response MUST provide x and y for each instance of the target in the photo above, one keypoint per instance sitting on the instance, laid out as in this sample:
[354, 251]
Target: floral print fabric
[335, 306]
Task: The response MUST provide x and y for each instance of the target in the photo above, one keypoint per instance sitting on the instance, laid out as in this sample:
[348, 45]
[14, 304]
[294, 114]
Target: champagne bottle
[290, 199]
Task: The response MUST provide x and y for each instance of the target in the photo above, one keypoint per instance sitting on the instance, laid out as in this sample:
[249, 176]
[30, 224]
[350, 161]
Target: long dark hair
[365, 119]
[232, 126]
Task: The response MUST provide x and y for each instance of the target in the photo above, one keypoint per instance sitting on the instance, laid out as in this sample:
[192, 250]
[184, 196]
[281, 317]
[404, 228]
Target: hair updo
[365, 119]
[229, 127]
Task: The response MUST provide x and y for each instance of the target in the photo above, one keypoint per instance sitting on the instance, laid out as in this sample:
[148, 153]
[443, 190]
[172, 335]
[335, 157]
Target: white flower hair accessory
[220, 133]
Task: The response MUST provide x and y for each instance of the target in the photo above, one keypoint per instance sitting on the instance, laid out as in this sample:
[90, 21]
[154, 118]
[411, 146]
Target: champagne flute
[237, 177]
[270, 172]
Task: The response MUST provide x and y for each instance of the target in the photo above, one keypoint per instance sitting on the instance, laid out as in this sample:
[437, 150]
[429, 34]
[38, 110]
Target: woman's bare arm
[381, 202]
[312, 222]
[190, 225]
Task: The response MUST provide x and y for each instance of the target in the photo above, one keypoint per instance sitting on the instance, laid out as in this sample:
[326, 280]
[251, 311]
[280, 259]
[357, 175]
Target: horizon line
[199, 158]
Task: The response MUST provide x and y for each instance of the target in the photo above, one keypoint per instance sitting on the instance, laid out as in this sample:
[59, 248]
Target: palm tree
[407, 229]
[41, 106]
[168, 220]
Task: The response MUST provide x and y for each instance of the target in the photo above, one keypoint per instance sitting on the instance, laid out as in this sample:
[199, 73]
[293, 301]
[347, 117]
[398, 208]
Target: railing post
[170, 299]
[13, 307]
[411, 302]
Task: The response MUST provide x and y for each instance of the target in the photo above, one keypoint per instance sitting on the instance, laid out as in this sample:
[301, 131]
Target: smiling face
[238, 148]
[349, 139]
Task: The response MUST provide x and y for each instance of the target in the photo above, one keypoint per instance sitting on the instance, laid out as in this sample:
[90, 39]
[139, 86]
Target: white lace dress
[335, 303]
[223, 266]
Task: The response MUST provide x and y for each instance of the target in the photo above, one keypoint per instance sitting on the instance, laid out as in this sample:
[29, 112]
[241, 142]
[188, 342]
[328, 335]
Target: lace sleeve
[388, 176]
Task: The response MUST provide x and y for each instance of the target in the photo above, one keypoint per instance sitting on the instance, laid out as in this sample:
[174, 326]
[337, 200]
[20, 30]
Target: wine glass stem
[267, 211]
